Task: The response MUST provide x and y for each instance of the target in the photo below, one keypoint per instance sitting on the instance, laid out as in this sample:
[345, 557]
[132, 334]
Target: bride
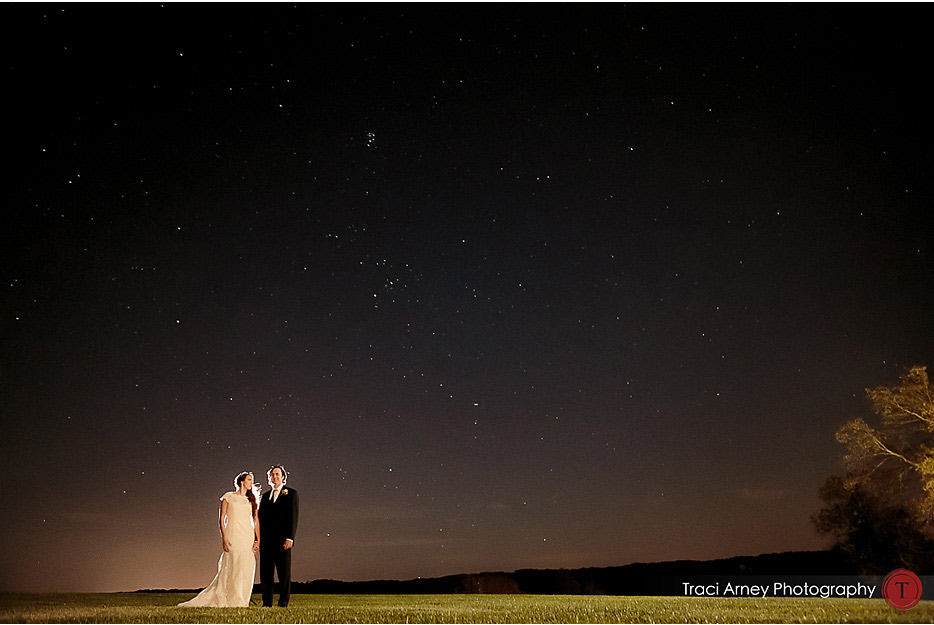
[239, 524]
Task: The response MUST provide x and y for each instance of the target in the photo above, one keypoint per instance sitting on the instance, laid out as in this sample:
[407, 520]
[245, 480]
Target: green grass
[160, 608]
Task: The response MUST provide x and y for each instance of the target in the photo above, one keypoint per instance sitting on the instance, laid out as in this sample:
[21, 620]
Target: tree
[881, 510]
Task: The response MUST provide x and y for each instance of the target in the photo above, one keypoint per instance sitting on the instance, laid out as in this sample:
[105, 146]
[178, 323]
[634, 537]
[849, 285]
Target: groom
[278, 520]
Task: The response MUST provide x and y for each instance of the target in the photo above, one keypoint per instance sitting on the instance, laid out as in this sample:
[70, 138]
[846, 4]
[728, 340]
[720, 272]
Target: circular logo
[901, 589]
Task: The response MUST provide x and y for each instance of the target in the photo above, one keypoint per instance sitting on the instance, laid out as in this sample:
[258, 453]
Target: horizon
[502, 286]
[507, 572]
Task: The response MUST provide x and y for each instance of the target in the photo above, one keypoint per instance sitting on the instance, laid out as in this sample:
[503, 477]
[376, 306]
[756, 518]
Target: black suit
[278, 521]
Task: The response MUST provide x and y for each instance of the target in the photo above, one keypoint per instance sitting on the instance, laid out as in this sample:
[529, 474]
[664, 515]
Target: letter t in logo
[902, 589]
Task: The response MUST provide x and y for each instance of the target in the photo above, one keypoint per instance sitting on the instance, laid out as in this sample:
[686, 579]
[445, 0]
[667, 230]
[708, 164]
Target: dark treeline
[658, 578]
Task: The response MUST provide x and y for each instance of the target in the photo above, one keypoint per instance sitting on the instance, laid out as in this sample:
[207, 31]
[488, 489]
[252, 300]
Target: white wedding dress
[233, 584]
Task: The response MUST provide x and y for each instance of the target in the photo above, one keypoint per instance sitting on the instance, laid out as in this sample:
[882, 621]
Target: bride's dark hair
[249, 493]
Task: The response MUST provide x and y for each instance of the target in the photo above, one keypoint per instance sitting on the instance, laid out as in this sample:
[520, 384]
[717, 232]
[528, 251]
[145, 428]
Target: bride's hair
[249, 493]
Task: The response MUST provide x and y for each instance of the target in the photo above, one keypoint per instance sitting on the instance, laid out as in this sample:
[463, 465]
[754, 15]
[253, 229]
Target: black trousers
[279, 560]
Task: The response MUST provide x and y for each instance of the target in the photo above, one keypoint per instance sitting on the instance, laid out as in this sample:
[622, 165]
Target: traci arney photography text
[779, 589]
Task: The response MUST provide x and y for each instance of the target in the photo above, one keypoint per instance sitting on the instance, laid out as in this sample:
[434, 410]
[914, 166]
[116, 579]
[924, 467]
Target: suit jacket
[278, 520]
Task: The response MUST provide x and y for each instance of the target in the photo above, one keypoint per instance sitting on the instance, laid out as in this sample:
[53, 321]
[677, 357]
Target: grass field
[160, 608]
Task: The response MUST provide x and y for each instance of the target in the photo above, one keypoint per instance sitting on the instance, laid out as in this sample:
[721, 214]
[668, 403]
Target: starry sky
[503, 286]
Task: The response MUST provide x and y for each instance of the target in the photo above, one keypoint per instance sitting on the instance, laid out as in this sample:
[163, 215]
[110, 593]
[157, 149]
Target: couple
[247, 527]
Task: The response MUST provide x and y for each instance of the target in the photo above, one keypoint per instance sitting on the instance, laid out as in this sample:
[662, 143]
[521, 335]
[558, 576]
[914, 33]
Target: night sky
[503, 286]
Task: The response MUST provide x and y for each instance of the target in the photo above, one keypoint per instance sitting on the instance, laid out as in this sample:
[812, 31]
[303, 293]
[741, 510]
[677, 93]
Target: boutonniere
[284, 491]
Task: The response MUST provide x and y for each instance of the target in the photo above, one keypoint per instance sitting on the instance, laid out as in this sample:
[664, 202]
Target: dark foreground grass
[160, 608]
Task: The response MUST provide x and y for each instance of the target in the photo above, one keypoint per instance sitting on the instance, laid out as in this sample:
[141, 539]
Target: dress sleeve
[227, 496]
